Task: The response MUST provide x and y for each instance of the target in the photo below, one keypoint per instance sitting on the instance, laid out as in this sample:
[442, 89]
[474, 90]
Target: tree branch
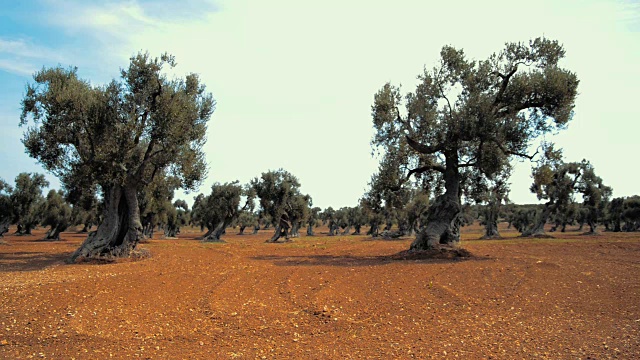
[420, 170]
[514, 153]
[406, 124]
[421, 148]
[503, 86]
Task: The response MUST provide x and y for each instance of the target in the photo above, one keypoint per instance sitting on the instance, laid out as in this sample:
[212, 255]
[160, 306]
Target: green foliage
[466, 120]
[222, 206]
[57, 213]
[86, 207]
[631, 213]
[247, 219]
[6, 209]
[27, 201]
[281, 200]
[177, 216]
[125, 132]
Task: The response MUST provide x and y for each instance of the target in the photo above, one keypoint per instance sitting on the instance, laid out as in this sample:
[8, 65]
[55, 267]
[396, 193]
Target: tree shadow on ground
[351, 260]
[31, 261]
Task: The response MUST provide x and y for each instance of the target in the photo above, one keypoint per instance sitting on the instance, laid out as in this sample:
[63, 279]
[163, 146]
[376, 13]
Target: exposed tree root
[442, 252]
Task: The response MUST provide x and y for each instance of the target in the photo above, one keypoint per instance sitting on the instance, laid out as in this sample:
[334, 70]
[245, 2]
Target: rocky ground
[345, 297]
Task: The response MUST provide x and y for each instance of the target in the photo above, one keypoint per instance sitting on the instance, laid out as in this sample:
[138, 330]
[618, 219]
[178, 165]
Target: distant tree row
[446, 146]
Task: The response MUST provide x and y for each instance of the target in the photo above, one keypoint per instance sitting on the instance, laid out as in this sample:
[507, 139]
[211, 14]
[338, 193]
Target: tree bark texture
[373, 230]
[281, 230]
[444, 217]
[54, 233]
[4, 227]
[120, 230]
[538, 227]
[217, 232]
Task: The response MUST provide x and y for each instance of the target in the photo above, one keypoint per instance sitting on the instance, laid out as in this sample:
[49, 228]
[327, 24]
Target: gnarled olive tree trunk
[491, 213]
[443, 218]
[295, 230]
[282, 230]
[373, 229]
[54, 233]
[120, 230]
[216, 232]
[333, 228]
[310, 230]
[4, 227]
[538, 227]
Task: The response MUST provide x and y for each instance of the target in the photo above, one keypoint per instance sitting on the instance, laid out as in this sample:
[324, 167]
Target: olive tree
[313, 219]
[27, 201]
[247, 219]
[57, 214]
[631, 213]
[6, 210]
[329, 217]
[479, 114]
[278, 191]
[222, 207]
[118, 136]
[177, 216]
[86, 208]
[595, 195]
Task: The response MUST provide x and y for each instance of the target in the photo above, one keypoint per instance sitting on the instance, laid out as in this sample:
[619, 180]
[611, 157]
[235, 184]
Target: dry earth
[322, 297]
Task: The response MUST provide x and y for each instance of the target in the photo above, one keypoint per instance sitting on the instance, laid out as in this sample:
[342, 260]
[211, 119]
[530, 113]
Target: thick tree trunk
[4, 227]
[310, 230]
[295, 230]
[210, 229]
[443, 218]
[217, 232]
[171, 231]
[592, 227]
[282, 230]
[24, 229]
[120, 230]
[255, 229]
[357, 229]
[332, 228]
[373, 230]
[278, 233]
[346, 230]
[54, 233]
[242, 230]
[538, 227]
[491, 230]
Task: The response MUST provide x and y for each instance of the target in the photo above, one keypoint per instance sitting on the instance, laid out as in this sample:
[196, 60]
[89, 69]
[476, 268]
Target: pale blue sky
[294, 80]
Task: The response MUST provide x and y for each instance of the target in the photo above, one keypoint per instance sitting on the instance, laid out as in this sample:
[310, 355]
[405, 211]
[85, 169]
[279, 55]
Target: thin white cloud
[23, 57]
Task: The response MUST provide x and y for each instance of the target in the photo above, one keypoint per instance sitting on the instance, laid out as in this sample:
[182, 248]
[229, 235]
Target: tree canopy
[118, 136]
[473, 114]
[279, 194]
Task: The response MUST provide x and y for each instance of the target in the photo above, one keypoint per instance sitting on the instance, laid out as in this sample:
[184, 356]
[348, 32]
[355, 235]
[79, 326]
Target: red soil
[324, 298]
